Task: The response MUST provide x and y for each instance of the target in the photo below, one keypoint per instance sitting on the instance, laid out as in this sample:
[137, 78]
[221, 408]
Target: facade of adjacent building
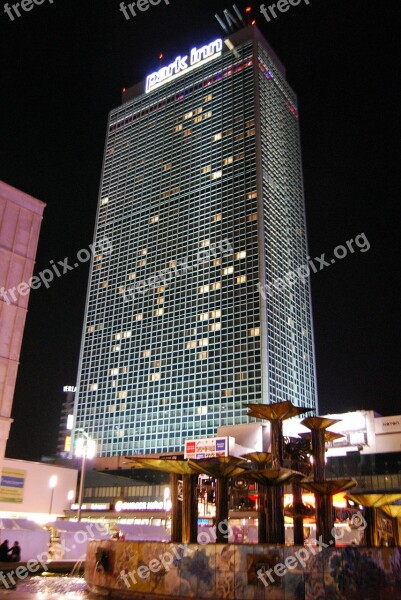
[195, 312]
[66, 421]
[20, 221]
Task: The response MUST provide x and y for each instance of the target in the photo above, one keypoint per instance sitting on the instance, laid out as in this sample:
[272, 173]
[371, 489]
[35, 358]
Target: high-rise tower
[201, 200]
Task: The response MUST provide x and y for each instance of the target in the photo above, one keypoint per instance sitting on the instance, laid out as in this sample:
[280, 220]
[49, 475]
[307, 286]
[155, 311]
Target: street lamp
[85, 448]
[52, 485]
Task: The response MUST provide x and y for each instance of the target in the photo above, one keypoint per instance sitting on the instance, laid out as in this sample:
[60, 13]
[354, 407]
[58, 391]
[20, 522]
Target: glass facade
[201, 200]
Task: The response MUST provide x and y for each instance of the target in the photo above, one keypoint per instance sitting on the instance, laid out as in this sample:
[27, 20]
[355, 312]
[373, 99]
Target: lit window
[216, 175]
[241, 279]
[205, 243]
[90, 329]
[105, 284]
[161, 289]
[203, 317]
[203, 289]
[253, 217]
[122, 395]
[215, 286]
[198, 111]
[104, 201]
[250, 132]
[207, 115]
[167, 166]
[116, 349]
[215, 314]
[251, 195]
[208, 98]
[113, 372]
[216, 217]
[172, 263]
[240, 255]
[159, 312]
[154, 377]
[215, 327]
[187, 132]
[204, 342]
[188, 115]
[202, 355]
[93, 387]
[227, 392]
[131, 276]
[217, 261]
[191, 344]
[126, 334]
[146, 353]
[239, 156]
[228, 161]
[240, 136]
[228, 270]
[142, 262]
[254, 332]
[240, 376]
[154, 219]
[178, 128]
[198, 119]
[143, 252]
[139, 317]
[217, 137]
[160, 300]
[206, 169]
[98, 257]
[121, 289]
[155, 363]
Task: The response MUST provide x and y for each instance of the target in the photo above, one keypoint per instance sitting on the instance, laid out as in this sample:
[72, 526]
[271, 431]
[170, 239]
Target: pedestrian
[4, 551]
[15, 552]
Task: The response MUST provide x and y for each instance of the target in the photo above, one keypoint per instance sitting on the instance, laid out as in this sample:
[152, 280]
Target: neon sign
[197, 57]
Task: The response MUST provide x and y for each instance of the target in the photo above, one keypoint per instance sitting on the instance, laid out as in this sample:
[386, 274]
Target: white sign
[120, 505]
[182, 64]
[388, 424]
[95, 506]
[69, 388]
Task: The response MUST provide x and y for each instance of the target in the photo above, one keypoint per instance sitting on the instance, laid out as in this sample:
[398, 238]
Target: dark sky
[63, 66]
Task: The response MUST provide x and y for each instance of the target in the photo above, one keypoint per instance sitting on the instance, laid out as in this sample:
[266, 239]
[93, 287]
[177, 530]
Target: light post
[52, 485]
[85, 448]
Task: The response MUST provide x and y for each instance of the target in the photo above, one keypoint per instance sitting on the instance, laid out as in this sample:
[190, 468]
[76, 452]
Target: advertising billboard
[208, 448]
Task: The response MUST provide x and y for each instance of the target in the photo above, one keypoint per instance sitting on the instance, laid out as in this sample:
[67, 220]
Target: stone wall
[161, 570]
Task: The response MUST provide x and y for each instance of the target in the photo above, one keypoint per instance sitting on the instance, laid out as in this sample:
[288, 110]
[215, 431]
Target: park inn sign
[195, 58]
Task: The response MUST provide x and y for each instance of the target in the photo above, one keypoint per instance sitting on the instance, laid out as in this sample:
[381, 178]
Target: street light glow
[53, 481]
[85, 448]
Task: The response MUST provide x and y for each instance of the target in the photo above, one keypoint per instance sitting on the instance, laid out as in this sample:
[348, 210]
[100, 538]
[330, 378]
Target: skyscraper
[190, 315]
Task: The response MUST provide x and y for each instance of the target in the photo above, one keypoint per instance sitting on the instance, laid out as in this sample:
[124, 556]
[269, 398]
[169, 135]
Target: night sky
[63, 66]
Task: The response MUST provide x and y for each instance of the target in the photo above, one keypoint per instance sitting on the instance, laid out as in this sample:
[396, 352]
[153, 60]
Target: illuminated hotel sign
[182, 64]
[69, 388]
